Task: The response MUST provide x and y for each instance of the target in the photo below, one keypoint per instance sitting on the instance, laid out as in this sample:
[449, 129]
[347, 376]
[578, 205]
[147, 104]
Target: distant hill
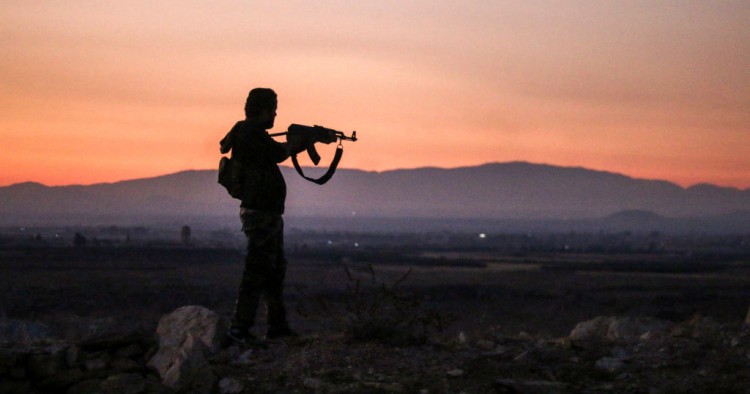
[515, 191]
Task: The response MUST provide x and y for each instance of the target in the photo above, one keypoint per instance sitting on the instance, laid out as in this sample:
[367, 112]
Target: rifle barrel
[343, 136]
[339, 134]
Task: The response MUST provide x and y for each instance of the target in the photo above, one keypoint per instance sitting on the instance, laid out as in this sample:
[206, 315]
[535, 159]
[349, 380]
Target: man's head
[260, 107]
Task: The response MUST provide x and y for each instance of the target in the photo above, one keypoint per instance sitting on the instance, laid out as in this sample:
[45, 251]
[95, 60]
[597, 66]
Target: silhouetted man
[263, 195]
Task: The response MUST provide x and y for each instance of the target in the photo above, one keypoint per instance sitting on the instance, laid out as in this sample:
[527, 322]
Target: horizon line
[683, 186]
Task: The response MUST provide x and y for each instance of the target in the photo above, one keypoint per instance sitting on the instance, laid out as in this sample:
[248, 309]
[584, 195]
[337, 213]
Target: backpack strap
[331, 169]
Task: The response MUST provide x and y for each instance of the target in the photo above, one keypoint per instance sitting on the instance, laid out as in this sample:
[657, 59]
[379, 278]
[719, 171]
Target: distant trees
[79, 240]
[186, 235]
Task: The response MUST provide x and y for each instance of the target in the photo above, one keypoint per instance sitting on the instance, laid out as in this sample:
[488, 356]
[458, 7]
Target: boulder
[190, 369]
[187, 337]
[617, 329]
[594, 329]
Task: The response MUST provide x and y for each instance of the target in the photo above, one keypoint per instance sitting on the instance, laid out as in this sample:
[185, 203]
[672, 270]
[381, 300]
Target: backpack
[230, 171]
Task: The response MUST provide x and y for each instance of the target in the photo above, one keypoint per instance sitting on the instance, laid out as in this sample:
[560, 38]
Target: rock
[594, 329]
[226, 356]
[562, 343]
[704, 327]
[46, 363]
[380, 387]
[524, 336]
[111, 340]
[455, 373]
[130, 383]
[130, 351]
[22, 332]
[609, 364]
[125, 365]
[189, 370]
[500, 352]
[187, 337]
[485, 344]
[462, 337]
[313, 383]
[95, 364]
[202, 323]
[620, 353]
[628, 329]
[106, 334]
[509, 386]
[230, 386]
[524, 357]
[245, 358]
[61, 381]
[73, 356]
[617, 329]
[651, 335]
[88, 386]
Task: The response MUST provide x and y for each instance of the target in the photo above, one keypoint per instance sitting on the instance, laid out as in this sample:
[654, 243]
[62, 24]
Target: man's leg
[274, 290]
[260, 229]
[248, 295]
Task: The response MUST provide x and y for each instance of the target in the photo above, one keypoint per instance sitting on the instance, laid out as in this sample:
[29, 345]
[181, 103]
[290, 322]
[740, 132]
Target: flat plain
[542, 293]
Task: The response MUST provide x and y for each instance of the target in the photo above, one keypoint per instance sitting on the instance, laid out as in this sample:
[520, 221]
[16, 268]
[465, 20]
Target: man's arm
[294, 145]
[275, 150]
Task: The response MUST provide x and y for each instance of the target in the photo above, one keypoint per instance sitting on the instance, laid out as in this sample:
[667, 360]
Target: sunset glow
[105, 91]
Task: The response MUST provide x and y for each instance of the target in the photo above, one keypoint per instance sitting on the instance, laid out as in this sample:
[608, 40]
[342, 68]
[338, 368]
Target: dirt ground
[505, 320]
[538, 294]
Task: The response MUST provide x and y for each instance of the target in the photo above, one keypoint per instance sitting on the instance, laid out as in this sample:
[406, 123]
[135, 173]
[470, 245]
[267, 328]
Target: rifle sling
[331, 169]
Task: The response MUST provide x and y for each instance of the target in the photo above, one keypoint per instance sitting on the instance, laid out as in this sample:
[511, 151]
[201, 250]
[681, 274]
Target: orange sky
[96, 91]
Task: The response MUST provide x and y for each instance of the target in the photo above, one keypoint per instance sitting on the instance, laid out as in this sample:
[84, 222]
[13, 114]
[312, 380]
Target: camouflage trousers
[265, 269]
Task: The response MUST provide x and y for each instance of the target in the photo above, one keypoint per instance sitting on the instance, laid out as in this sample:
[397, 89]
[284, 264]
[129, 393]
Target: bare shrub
[374, 311]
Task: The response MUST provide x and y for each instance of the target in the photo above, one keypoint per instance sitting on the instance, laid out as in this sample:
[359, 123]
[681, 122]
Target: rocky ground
[606, 354]
[116, 326]
[698, 356]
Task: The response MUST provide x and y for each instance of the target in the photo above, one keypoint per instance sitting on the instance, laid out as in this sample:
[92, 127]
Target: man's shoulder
[245, 131]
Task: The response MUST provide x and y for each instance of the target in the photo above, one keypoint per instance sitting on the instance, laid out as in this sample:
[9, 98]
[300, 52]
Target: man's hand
[296, 143]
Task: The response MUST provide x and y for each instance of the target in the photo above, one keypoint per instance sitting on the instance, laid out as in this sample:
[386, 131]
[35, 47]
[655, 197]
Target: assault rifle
[313, 134]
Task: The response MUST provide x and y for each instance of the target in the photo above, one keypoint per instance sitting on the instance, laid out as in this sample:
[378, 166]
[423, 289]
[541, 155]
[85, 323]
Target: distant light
[354, 213]
[23, 228]
[482, 235]
[356, 244]
[330, 242]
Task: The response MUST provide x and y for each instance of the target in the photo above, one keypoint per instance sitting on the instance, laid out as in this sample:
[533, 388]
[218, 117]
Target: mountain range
[497, 191]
